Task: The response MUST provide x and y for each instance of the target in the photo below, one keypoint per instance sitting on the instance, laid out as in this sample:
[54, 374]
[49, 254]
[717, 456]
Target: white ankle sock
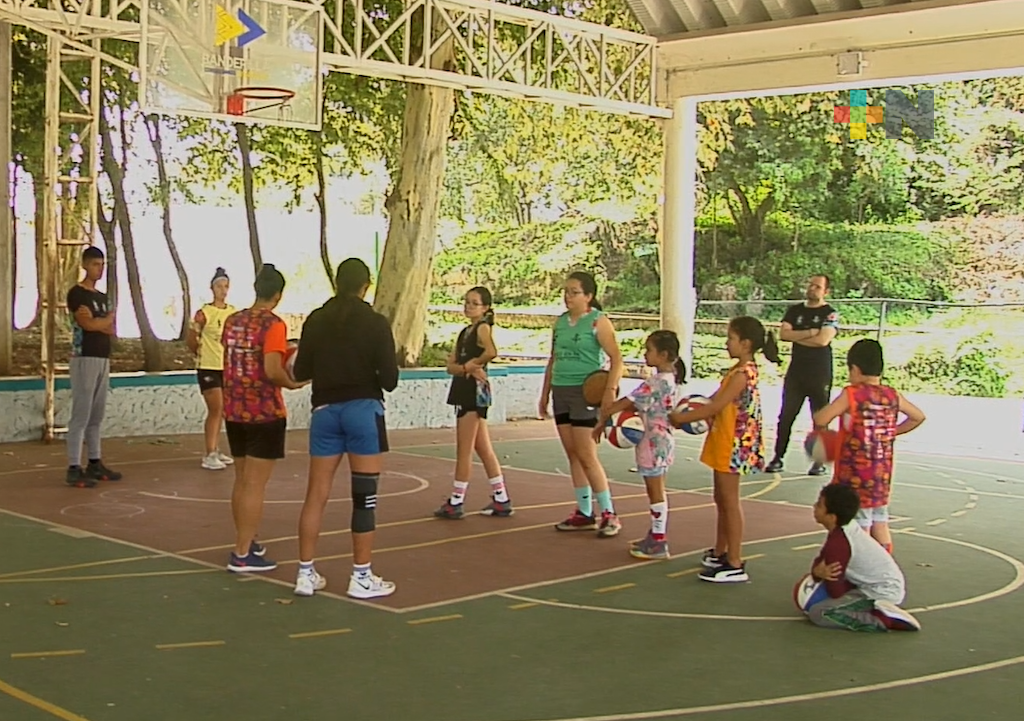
[458, 492]
[498, 490]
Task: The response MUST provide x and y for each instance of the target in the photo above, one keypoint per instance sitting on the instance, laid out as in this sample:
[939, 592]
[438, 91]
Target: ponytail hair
[589, 285]
[751, 330]
[487, 300]
[667, 342]
[269, 282]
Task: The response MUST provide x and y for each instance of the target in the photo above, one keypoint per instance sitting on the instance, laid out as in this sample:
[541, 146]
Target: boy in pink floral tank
[869, 413]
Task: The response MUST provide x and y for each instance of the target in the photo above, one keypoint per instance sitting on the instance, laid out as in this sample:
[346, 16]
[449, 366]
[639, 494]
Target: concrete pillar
[678, 297]
[7, 239]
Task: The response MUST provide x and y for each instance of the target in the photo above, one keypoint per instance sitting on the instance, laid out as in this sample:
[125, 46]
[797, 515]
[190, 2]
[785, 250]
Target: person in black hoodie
[348, 352]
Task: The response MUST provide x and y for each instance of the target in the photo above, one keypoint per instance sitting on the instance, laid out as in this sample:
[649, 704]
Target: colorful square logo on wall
[858, 114]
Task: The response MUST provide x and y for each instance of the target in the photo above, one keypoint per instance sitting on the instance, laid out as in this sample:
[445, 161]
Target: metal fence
[868, 316]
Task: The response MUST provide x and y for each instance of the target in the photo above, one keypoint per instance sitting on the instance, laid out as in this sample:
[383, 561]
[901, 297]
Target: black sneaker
[817, 469]
[100, 472]
[76, 478]
[774, 467]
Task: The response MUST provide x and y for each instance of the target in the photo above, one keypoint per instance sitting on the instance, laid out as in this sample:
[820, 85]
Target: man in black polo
[810, 326]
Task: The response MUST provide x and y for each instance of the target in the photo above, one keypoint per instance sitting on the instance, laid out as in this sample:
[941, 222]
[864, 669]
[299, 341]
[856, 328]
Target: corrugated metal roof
[663, 18]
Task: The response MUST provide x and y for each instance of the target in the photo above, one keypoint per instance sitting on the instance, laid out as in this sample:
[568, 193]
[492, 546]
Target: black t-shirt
[88, 343]
[808, 360]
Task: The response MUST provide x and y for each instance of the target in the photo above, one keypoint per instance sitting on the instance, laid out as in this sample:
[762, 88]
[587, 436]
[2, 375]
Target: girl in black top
[470, 393]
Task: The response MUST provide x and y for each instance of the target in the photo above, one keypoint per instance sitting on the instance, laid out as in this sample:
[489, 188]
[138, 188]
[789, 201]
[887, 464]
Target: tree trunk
[108, 229]
[152, 356]
[403, 289]
[242, 131]
[321, 201]
[153, 125]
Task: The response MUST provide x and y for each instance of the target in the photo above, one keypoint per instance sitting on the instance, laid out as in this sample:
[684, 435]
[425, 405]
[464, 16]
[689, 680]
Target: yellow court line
[49, 654]
[415, 521]
[318, 634]
[807, 547]
[76, 566]
[192, 644]
[620, 587]
[520, 606]
[110, 576]
[434, 619]
[686, 572]
[474, 536]
[35, 701]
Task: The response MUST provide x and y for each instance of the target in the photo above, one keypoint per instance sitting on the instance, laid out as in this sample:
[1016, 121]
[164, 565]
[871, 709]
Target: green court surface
[94, 628]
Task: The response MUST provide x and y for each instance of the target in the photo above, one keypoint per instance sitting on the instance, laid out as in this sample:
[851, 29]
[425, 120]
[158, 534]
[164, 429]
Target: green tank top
[577, 352]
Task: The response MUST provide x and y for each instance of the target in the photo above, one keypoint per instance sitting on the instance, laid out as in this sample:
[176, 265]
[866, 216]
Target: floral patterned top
[866, 435]
[249, 396]
[654, 399]
[734, 443]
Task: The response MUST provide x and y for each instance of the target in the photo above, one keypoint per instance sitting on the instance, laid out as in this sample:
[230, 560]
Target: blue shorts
[355, 427]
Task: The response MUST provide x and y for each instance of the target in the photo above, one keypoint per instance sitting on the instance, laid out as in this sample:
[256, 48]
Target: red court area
[167, 502]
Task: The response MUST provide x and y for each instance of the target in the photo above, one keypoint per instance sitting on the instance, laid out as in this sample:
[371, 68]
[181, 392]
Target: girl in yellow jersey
[204, 340]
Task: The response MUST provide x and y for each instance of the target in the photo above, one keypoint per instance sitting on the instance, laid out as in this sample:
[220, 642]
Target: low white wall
[168, 404]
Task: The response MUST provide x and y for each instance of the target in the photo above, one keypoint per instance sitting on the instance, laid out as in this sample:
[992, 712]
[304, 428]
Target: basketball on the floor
[690, 403]
[289, 358]
[822, 446]
[808, 592]
[624, 429]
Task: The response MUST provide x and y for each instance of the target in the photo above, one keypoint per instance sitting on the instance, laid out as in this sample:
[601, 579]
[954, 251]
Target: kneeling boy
[864, 584]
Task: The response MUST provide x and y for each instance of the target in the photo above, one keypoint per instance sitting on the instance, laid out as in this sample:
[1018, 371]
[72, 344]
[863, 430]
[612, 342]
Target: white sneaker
[309, 583]
[213, 463]
[372, 587]
[225, 459]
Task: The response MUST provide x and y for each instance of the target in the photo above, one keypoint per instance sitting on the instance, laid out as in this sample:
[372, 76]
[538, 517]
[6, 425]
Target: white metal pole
[7, 239]
[678, 298]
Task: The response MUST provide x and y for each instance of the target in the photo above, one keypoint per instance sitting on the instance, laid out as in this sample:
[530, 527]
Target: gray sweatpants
[89, 380]
[851, 611]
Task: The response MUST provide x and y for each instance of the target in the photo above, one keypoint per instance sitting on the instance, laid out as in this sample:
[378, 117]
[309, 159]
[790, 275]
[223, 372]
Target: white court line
[422, 484]
[799, 698]
[1016, 583]
[196, 561]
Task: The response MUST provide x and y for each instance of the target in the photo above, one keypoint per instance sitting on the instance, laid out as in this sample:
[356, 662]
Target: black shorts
[481, 413]
[257, 440]
[209, 380]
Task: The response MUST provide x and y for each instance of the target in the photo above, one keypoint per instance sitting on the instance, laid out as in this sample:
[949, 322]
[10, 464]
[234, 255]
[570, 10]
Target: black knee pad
[364, 502]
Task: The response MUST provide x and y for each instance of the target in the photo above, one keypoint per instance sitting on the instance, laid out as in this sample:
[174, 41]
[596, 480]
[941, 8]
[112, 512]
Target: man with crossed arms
[810, 326]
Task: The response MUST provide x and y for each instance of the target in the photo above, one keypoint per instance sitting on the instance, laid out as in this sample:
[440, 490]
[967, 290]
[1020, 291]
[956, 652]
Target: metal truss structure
[500, 49]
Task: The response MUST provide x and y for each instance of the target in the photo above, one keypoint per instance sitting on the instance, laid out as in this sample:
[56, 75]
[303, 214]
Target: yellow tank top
[211, 352]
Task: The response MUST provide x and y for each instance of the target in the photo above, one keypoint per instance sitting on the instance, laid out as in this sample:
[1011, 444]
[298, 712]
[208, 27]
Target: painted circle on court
[102, 510]
[1016, 583]
[421, 484]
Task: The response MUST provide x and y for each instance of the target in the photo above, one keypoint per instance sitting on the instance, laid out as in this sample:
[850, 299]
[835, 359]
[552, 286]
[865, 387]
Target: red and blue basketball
[624, 429]
[689, 403]
[808, 592]
[822, 446]
[289, 358]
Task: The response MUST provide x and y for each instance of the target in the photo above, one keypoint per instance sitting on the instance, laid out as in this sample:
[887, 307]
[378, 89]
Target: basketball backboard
[255, 61]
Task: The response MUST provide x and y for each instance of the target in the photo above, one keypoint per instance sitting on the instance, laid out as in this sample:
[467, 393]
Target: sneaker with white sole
[372, 587]
[309, 583]
[898, 619]
[225, 459]
[725, 573]
[212, 462]
[250, 564]
[710, 559]
[610, 525]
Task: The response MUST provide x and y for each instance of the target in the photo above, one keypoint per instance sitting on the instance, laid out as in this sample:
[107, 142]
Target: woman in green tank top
[582, 340]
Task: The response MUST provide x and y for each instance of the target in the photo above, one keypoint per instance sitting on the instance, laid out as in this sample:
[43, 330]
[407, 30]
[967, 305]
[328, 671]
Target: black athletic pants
[795, 390]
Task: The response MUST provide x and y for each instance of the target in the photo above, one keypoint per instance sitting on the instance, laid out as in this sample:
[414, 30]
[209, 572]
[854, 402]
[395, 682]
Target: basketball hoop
[238, 101]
